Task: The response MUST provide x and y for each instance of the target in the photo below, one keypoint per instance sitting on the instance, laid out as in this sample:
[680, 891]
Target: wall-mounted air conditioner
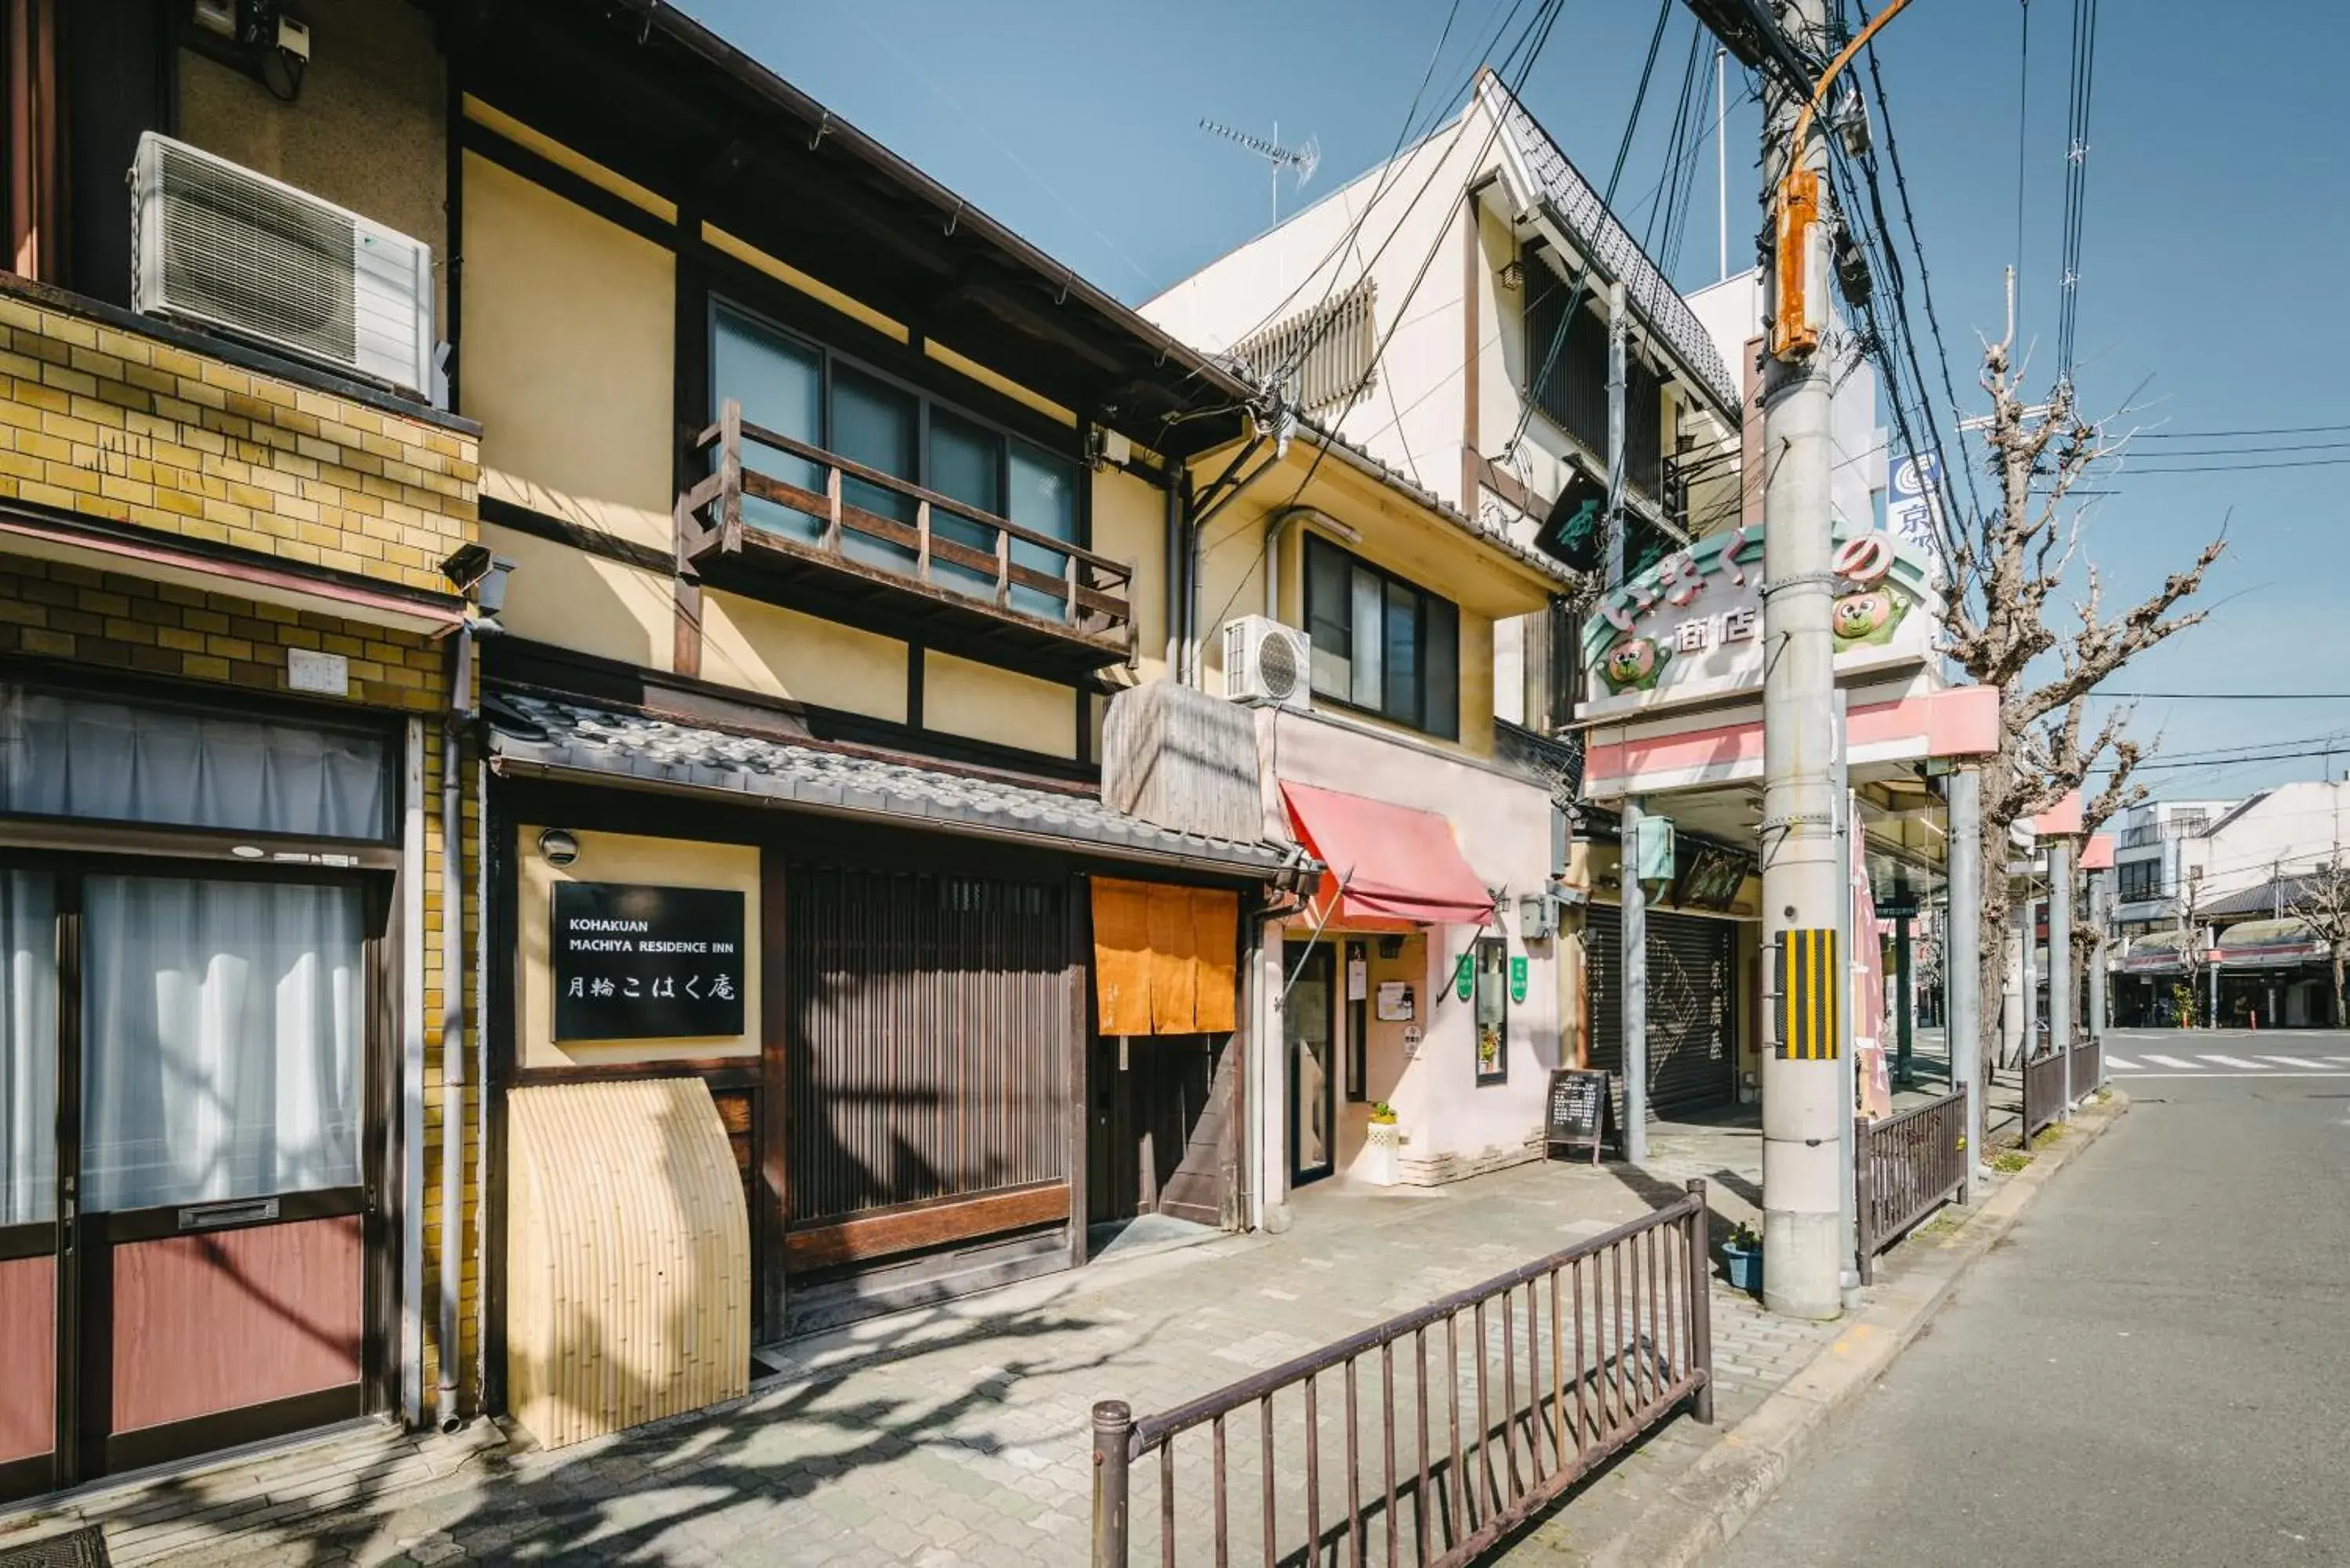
[225, 247]
[1267, 663]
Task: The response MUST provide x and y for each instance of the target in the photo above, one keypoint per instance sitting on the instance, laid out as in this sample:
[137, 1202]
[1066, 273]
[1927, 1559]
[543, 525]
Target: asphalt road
[2153, 1368]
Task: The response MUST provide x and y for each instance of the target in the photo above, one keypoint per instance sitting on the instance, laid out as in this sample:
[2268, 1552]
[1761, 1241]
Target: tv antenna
[1304, 159]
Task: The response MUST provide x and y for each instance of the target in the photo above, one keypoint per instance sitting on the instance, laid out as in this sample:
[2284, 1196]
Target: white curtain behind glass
[78, 756]
[220, 1040]
[28, 1047]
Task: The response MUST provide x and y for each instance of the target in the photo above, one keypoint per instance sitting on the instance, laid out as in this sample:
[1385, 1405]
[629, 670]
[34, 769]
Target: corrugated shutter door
[1690, 985]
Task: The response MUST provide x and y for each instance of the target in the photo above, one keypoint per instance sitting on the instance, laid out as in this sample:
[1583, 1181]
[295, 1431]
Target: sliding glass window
[1381, 644]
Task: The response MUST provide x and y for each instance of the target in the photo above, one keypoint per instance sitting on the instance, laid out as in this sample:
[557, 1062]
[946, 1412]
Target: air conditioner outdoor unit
[225, 247]
[1267, 663]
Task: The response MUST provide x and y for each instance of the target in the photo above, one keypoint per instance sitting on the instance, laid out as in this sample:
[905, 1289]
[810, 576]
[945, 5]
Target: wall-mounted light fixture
[558, 846]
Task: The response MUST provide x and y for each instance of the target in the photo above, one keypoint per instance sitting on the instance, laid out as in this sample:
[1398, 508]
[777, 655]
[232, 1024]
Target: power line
[2220, 435]
[2077, 178]
[2231, 697]
[2167, 454]
[2246, 467]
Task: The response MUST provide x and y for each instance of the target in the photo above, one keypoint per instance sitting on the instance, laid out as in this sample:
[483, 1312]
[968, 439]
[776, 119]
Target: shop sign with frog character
[1689, 628]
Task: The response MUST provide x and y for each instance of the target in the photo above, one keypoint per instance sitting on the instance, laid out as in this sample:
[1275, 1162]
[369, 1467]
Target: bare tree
[2006, 565]
[2323, 904]
[2188, 907]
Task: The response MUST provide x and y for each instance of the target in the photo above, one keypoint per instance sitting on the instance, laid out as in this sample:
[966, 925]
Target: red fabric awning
[1391, 862]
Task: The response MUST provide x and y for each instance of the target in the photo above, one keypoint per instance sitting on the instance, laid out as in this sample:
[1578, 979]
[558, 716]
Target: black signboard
[1577, 1111]
[634, 962]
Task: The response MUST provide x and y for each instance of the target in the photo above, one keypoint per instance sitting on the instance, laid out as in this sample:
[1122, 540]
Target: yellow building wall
[982, 702]
[623, 857]
[1130, 526]
[569, 358]
[1231, 579]
[783, 653]
[594, 604]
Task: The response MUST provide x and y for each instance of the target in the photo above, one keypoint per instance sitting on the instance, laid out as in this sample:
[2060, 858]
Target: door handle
[207, 1216]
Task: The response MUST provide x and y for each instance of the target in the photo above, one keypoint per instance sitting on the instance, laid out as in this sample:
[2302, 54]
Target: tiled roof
[1403, 483]
[565, 735]
[2280, 893]
[1608, 243]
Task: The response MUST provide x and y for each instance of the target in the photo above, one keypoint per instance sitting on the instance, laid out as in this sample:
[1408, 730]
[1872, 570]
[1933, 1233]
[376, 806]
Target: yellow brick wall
[69, 615]
[132, 430]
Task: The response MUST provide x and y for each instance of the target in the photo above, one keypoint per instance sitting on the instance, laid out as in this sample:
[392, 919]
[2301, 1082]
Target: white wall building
[2152, 847]
[1414, 311]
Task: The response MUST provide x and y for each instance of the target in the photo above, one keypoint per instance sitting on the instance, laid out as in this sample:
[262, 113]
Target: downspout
[1179, 481]
[482, 1079]
[453, 1073]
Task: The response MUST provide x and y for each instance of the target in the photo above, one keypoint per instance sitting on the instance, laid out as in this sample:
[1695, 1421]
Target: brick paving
[961, 1434]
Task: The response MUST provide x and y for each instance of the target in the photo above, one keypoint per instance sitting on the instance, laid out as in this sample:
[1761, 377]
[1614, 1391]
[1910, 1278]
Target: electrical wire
[2230, 435]
[2077, 174]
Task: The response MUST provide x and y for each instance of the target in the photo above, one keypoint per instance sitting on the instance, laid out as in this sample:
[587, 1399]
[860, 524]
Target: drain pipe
[481, 1075]
[453, 1074]
[1179, 480]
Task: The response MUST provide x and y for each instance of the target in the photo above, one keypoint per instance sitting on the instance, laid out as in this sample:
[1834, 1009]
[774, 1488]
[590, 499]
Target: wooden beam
[931, 1224]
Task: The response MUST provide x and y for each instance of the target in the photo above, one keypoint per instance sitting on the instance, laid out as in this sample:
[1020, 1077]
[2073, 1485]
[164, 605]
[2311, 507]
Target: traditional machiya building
[773, 534]
[238, 905]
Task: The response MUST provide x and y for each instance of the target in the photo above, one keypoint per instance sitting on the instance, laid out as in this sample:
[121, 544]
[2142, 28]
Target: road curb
[1737, 1474]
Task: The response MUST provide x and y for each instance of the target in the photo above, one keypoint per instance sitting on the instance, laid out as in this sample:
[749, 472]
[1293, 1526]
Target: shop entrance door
[183, 1161]
[1307, 1016]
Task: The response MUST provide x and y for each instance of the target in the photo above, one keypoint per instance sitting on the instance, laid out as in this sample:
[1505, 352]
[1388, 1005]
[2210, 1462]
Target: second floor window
[2138, 879]
[798, 390]
[1381, 644]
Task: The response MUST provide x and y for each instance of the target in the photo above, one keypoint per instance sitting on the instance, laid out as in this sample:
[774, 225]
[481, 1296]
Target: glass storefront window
[78, 756]
[29, 1048]
[223, 1024]
[1493, 994]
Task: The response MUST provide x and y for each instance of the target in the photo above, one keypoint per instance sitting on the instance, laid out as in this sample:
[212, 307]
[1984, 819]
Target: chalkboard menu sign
[633, 963]
[1577, 1112]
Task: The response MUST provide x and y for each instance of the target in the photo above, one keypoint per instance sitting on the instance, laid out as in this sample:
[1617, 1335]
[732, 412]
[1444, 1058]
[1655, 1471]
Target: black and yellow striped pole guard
[1808, 995]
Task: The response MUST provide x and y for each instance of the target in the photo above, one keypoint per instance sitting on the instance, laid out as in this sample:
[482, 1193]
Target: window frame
[1498, 949]
[1314, 544]
[829, 358]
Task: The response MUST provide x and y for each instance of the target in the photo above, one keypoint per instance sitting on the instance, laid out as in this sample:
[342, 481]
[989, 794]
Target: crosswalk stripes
[2212, 1064]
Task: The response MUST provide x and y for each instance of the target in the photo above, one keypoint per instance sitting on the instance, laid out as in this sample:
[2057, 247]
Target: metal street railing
[1908, 1165]
[2088, 1068]
[1508, 1393]
[2044, 1093]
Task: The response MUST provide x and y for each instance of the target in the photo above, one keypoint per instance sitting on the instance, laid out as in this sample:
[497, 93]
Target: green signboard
[1518, 979]
[1464, 976]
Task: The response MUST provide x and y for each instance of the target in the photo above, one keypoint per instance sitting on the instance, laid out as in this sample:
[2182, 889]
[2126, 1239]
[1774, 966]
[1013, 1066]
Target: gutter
[453, 1073]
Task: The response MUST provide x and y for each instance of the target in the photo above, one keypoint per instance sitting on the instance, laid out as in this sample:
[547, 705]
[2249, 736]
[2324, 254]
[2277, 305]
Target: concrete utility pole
[2100, 914]
[1962, 960]
[2060, 957]
[1633, 928]
[1804, 1106]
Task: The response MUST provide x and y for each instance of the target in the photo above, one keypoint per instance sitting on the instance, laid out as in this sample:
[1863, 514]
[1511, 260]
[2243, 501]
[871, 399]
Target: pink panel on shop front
[211, 1323]
[28, 1353]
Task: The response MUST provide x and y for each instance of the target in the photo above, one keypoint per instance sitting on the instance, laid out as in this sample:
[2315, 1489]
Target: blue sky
[2214, 221]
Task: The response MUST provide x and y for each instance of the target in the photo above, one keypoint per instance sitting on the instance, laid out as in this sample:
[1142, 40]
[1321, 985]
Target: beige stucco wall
[984, 704]
[783, 653]
[1502, 824]
[591, 603]
[368, 132]
[623, 857]
[569, 358]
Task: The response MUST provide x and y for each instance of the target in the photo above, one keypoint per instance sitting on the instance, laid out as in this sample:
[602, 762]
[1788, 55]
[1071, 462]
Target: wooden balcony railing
[896, 574]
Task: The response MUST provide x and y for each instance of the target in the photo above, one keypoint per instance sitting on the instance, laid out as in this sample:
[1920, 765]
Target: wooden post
[730, 467]
[832, 509]
[1003, 567]
[1069, 588]
[923, 532]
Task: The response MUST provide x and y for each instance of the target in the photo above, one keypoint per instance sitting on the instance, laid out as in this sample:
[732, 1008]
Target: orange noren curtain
[1122, 956]
[1165, 958]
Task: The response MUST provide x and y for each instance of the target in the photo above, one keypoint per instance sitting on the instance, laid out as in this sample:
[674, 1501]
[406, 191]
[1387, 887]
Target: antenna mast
[1304, 159]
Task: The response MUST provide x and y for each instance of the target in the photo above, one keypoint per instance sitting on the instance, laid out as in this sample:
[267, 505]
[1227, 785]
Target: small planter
[1383, 1154]
[1744, 1266]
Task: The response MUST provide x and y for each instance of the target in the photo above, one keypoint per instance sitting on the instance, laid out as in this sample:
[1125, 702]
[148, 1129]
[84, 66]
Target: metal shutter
[1691, 987]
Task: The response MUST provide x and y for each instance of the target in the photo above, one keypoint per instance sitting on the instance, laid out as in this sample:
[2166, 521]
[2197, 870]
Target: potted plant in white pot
[1382, 1164]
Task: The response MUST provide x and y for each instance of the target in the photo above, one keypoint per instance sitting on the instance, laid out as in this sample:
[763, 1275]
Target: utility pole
[1805, 1108]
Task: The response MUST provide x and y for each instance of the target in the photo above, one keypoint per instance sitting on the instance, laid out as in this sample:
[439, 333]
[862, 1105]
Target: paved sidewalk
[959, 1435]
